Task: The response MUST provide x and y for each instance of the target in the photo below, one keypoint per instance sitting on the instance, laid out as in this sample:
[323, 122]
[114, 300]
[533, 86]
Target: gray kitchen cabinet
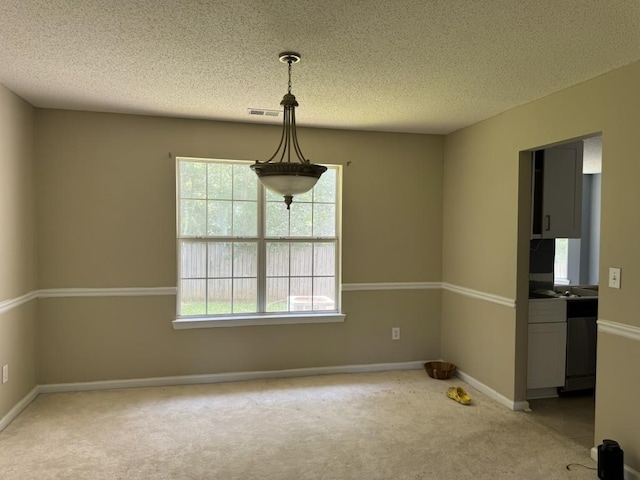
[557, 192]
[547, 342]
[546, 359]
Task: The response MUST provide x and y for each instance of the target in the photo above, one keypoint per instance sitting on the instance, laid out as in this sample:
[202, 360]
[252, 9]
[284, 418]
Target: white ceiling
[425, 66]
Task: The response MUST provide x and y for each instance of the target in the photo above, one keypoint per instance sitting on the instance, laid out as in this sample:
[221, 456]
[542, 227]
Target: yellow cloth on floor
[459, 395]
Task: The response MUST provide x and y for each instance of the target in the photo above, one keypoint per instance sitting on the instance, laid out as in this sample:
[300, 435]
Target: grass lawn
[221, 308]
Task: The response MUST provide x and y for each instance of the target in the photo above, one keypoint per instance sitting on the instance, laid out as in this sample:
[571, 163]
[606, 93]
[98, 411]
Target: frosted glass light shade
[288, 179]
[288, 185]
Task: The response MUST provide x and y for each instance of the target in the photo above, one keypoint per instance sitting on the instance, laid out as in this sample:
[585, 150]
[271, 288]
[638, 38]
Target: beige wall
[93, 339]
[482, 212]
[18, 261]
[617, 394]
[486, 327]
[106, 217]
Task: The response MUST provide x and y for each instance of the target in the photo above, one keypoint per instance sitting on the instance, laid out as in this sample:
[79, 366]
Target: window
[561, 262]
[242, 253]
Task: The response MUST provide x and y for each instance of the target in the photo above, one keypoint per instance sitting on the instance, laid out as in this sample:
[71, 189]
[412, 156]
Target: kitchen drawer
[547, 310]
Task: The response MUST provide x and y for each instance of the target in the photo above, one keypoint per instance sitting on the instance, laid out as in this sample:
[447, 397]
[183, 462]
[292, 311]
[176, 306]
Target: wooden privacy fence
[221, 271]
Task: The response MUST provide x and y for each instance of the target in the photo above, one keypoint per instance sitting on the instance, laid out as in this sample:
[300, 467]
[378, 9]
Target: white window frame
[275, 318]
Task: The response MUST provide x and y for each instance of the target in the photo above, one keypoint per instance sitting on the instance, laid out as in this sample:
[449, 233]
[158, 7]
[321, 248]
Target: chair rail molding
[9, 304]
[620, 329]
[487, 297]
[362, 287]
[107, 292]
[12, 303]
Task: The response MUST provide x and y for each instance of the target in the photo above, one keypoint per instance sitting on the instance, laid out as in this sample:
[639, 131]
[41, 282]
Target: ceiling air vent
[263, 112]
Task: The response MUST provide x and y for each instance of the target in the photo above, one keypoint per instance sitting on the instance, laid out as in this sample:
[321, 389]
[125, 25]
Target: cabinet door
[562, 192]
[547, 355]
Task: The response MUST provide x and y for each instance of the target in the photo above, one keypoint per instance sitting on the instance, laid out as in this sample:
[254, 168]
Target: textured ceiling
[428, 66]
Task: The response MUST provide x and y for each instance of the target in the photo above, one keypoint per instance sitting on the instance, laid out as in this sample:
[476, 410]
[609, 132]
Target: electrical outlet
[5, 373]
[614, 277]
[395, 333]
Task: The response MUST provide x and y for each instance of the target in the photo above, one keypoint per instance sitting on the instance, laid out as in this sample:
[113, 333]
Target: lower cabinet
[547, 355]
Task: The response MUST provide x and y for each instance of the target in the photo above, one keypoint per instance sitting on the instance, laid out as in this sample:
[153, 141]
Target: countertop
[567, 292]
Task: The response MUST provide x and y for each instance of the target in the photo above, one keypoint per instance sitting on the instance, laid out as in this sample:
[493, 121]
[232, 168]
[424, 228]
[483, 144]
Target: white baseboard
[227, 377]
[629, 473]
[19, 407]
[537, 393]
[491, 393]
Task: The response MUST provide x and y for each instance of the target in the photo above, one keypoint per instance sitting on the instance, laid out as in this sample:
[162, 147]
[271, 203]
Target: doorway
[568, 408]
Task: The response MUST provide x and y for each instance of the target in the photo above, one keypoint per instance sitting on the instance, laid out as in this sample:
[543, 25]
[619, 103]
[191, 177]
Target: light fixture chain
[289, 62]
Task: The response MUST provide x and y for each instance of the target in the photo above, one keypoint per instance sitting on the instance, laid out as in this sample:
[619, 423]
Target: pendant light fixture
[282, 173]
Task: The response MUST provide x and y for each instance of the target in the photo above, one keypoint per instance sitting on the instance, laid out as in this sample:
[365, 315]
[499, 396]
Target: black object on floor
[610, 461]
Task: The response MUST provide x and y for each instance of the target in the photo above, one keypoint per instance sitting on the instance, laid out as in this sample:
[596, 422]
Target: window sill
[253, 320]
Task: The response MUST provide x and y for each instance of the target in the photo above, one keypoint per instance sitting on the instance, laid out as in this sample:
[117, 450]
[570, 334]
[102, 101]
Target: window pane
[324, 293]
[324, 287]
[192, 297]
[301, 286]
[273, 197]
[301, 219]
[193, 217]
[277, 259]
[245, 183]
[219, 218]
[301, 259]
[193, 260]
[277, 294]
[219, 177]
[193, 179]
[220, 260]
[325, 189]
[219, 297]
[245, 219]
[324, 220]
[245, 260]
[300, 298]
[245, 295]
[304, 197]
[324, 259]
[277, 220]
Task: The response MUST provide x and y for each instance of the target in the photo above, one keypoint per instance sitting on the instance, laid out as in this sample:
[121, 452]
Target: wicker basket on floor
[440, 370]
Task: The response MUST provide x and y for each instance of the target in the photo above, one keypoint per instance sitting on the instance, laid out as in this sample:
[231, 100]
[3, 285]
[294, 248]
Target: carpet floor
[387, 425]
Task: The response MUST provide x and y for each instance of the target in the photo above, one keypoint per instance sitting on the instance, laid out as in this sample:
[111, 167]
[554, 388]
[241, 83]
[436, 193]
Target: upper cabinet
[557, 192]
